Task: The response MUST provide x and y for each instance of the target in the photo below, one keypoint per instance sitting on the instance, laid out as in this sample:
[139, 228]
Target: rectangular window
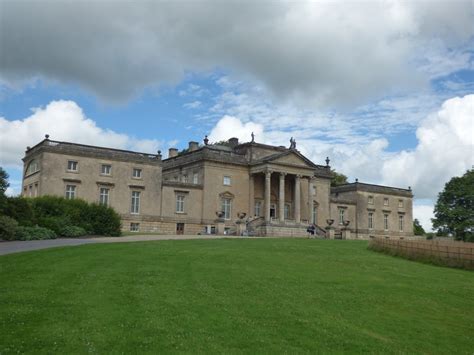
[227, 180]
[385, 222]
[72, 165]
[31, 191]
[385, 201]
[287, 210]
[180, 203]
[258, 207]
[135, 208]
[341, 216]
[315, 215]
[195, 178]
[106, 169]
[70, 192]
[370, 200]
[400, 223]
[185, 178]
[137, 173]
[371, 220]
[400, 203]
[227, 207]
[134, 227]
[104, 196]
[36, 190]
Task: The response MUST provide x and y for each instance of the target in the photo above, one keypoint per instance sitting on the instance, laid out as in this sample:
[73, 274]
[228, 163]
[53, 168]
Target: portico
[283, 196]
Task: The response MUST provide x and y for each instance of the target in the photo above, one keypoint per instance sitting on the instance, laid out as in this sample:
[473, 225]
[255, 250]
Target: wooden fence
[448, 253]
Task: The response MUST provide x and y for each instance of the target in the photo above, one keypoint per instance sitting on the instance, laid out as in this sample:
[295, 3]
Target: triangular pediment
[292, 158]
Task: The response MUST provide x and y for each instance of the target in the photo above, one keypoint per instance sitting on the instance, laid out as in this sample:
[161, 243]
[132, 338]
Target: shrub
[104, 220]
[20, 209]
[8, 227]
[72, 232]
[56, 224]
[34, 233]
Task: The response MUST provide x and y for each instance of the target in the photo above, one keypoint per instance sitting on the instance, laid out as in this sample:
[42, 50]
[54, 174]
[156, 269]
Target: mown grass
[271, 295]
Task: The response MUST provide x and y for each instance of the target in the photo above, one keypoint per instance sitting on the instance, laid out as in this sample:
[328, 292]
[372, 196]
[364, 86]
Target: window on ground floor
[401, 222]
[371, 220]
[341, 215]
[134, 227]
[104, 196]
[70, 192]
[385, 221]
[227, 207]
[258, 208]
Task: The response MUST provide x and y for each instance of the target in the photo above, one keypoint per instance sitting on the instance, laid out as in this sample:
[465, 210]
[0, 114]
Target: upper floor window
[137, 173]
[106, 169]
[227, 180]
[341, 215]
[72, 165]
[184, 178]
[227, 207]
[104, 196]
[135, 208]
[33, 167]
[385, 222]
[385, 201]
[370, 200]
[180, 203]
[400, 203]
[195, 178]
[70, 192]
[401, 222]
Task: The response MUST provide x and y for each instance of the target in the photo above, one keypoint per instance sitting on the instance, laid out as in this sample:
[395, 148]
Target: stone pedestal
[241, 227]
[220, 226]
[346, 234]
[331, 234]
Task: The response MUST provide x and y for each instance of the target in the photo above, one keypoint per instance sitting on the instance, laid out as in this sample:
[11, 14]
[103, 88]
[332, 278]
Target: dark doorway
[179, 228]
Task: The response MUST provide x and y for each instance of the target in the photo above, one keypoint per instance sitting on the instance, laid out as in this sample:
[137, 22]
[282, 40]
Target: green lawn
[252, 295]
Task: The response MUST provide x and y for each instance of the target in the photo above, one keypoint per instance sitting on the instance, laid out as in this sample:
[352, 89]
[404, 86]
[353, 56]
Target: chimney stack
[234, 142]
[193, 146]
[172, 152]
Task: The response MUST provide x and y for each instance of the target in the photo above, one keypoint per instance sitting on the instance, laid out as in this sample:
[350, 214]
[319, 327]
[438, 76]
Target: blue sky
[384, 88]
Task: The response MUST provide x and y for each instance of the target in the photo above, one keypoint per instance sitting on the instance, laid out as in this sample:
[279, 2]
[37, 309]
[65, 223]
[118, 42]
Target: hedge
[60, 215]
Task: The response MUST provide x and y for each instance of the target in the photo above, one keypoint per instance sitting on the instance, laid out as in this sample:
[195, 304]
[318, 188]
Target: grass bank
[268, 295]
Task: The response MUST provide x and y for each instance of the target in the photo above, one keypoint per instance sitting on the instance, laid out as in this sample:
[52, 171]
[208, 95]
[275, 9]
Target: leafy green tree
[3, 188]
[454, 210]
[418, 228]
[338, 178]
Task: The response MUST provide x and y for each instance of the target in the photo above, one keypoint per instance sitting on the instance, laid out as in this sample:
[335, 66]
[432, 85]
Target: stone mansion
[228, 187]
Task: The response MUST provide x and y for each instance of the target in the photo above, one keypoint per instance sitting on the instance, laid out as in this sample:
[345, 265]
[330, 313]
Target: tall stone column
[251, 196]
[297, 199]
[281, 198]
[310, 200]
[268, 176]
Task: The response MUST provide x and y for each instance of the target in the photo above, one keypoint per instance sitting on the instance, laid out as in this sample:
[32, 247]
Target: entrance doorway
[179, 228]
[272, 210]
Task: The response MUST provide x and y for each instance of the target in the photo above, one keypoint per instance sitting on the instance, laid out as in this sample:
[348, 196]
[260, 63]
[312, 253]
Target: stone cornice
[359, 186]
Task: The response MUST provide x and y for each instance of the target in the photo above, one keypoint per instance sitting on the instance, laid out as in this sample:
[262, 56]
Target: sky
[385, 89]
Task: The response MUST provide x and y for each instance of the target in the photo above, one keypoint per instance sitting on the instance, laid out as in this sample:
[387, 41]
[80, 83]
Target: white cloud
[229, 127]
[445, 149]
[423, 211]
[63, 121]
[325, 52]
[192, 105]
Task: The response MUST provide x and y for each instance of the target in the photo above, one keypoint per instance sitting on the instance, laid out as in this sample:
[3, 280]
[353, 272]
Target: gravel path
[19, 246]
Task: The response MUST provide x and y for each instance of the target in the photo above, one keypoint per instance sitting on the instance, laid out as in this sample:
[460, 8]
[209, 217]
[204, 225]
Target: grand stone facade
[232, 187]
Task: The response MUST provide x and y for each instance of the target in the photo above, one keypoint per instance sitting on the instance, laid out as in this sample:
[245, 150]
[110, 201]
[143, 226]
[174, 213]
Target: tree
[3, 188]
[418, 228]
[454, 210]
[337, 178]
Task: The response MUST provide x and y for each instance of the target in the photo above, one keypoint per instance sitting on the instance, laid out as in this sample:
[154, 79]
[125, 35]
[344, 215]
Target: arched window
[32, 167]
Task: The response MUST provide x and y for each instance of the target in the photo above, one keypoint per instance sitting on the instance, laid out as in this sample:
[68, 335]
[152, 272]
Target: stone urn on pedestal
[330, 229]
[241, 223]
[346, 232]
[220, 223]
